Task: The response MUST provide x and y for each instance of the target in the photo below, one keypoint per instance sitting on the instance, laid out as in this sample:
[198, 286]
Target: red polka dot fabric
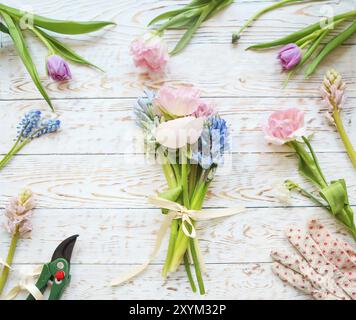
[324, 266]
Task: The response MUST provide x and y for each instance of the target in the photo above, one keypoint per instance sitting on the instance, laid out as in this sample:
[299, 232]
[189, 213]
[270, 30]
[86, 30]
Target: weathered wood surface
[92, 178]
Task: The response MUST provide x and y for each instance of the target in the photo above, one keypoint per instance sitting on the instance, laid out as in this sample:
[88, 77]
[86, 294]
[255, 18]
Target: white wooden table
[88, 179]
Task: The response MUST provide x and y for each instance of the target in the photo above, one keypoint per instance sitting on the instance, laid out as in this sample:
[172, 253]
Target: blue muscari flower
[212, 144]
[143, 110]
[47, 126]
[29, 123]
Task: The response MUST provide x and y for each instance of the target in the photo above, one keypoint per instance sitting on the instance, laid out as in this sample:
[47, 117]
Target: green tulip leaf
[3, 28]
[295, 36]
[58, 26]
[330, 46]
[65, 51]
[24, 54]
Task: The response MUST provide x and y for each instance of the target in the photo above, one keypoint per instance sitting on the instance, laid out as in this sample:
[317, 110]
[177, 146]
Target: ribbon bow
[176, 211]
[26, 283]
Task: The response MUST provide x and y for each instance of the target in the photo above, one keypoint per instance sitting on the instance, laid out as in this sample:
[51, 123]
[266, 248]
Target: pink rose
[205, 110]
[284, 125]
[178, 102]
[289, 56]
[178, 133]
[150, 53]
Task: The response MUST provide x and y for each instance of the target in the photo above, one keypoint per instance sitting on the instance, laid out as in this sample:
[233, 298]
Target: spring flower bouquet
[18, 224]
[15, 22]
[333, 92]
[189, 139]
[286, 127]
[31, 126]
[309, 44]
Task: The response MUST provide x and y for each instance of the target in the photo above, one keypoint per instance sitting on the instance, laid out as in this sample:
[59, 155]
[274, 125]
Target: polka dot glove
[325, 266]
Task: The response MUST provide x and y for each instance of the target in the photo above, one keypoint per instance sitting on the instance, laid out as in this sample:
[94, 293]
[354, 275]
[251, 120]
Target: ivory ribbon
[176, 211]
[26, 283]
[4, 264]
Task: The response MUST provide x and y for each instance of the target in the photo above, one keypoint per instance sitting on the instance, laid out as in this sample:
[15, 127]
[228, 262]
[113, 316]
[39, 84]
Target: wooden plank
[238, 73]
[108, 126]
[242, 281]
[123, 181]
[127, 236]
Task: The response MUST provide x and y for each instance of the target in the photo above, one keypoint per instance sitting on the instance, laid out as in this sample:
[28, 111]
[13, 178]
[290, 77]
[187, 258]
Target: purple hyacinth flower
[58, 68]
[289, 56]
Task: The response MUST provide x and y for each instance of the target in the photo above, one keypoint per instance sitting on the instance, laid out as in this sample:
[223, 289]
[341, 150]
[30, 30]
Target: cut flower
[284, 126]
[178, 133]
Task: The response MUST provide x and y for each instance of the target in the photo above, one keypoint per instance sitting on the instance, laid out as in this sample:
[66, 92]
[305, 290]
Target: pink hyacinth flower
[18, 213]
[183, 101]
[58, 68]
[289, 56]
[150, 53]
[284, 126]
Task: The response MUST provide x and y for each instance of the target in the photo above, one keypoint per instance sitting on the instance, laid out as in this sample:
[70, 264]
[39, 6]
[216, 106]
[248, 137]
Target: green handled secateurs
[57, 271]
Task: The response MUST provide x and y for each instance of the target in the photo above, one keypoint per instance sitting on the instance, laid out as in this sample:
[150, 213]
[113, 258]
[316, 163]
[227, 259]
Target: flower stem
[236, 35]
[197, 267]
[189, 272]
[344, 137]
[10, 256]
[14, 150]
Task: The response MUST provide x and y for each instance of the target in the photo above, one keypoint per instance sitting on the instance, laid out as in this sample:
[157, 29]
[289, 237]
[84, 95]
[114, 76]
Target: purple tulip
[289, 56]
[58, 68]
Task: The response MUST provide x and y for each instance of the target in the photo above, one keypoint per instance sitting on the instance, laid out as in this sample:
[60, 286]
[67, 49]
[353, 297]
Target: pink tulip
[204, 110]
[289, 56]
[178, 133]
[284, 126]
[150, 53]
[178, 102]
[58, 68]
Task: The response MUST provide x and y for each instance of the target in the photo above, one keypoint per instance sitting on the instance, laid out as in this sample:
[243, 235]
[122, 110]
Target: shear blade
[65, 249]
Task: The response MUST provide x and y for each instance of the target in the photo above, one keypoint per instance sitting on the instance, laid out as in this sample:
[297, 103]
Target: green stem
[12, 152]
[236, 35]
[344, 137]
[10, 256]
[306, 141]
[171, 246]
[44, 40]
[197, 266]
[185, 167]
[189, 272]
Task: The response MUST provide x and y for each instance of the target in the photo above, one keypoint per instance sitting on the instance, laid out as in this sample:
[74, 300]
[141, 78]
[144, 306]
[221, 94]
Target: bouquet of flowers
[286, 127]
[31, 126]
[17, 21]
[189, 139]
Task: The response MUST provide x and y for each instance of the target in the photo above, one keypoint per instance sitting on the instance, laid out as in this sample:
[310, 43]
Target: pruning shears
[57, 271]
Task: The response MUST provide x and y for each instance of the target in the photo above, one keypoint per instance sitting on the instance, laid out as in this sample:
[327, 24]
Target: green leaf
[58, 26]
[183, 42]
[24, 54]
[331, 45]
[65, 51]
[307, 165]
[3, 28]
[165, 16]
[336, 196]
[295, 36]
